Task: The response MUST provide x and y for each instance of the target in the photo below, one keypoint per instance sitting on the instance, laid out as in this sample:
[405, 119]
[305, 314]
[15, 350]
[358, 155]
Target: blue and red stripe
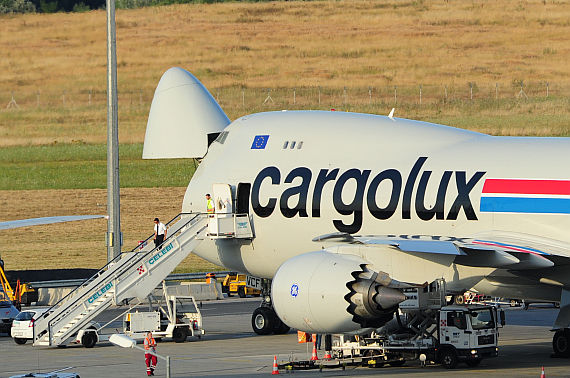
[526, 196]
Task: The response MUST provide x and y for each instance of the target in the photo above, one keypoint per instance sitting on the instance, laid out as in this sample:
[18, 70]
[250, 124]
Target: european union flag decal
[259, 142]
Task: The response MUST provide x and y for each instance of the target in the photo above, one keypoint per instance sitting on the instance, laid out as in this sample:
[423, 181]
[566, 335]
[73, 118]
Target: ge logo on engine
[294, 290]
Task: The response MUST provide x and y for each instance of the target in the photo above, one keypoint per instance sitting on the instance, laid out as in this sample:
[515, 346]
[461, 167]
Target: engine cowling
[324, 292]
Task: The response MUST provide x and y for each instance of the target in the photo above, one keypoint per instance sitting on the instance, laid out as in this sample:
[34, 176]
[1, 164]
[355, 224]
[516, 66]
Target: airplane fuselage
[314, 173]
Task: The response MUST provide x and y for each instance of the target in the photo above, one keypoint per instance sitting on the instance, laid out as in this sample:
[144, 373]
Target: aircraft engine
[324, 292]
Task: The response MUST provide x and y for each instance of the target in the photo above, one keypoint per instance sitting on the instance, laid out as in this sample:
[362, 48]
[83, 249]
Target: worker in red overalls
[150, 359]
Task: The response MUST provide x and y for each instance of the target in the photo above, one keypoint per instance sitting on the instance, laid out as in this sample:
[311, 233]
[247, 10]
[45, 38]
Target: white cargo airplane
[349, 208]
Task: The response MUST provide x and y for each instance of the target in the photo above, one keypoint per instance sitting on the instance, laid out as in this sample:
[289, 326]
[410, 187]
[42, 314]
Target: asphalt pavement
[231, 348]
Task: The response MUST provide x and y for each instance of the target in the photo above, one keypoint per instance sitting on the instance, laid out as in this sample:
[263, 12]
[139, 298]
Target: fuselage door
[242, 202]
[222, 194]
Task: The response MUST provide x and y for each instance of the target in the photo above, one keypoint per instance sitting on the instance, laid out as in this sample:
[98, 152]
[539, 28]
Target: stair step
[66, 321]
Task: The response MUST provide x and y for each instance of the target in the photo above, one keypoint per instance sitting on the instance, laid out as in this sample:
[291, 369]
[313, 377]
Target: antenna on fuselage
[391, 115]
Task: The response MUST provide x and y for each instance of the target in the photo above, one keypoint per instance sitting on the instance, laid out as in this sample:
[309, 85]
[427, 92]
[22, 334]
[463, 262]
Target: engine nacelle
[324, 292]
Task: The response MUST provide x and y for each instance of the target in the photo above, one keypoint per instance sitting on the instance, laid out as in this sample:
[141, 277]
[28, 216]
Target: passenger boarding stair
[130, 275]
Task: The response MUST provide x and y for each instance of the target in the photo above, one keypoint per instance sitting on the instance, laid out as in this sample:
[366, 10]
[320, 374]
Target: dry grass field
[359, 52]
[82, 244]
[53, 62]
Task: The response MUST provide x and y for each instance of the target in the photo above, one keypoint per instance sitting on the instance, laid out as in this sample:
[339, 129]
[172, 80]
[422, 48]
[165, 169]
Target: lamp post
[126, 342]
[114, 239]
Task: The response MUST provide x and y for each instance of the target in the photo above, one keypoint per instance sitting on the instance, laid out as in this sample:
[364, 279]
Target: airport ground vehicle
[7, 312]
[430, 331]
[175, 317]
[22, 293]
[23, 325]
[242, 285]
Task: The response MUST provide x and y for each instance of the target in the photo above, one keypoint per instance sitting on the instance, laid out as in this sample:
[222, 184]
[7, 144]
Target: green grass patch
[84, 166]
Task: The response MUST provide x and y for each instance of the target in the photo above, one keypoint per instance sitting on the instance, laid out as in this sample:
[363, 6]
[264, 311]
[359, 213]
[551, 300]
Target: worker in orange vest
[150, 359]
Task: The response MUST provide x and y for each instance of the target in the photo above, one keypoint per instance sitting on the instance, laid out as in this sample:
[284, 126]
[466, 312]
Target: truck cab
[468, 334]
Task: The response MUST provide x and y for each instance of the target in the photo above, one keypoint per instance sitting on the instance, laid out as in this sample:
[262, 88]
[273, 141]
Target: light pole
[126, 342]
[114, 237]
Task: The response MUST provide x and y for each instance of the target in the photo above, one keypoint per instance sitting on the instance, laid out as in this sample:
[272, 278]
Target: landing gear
[561, 343]
[264, 320]
[279, 327]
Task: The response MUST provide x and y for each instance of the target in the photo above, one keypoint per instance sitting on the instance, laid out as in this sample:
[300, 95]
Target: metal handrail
[139, 255]
[170, 277]
[117, 258]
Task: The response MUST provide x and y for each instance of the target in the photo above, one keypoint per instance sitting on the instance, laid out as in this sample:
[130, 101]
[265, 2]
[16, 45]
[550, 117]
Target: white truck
[430, 331]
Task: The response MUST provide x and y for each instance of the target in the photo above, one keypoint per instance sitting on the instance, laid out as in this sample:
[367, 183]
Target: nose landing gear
[264, 320]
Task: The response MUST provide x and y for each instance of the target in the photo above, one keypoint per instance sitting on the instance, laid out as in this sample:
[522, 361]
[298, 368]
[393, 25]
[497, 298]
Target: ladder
[130, 275]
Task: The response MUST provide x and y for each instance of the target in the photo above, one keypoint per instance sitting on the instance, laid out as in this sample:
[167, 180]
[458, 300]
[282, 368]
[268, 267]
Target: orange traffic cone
[542, 375]
[275, 367]
[314, 357]
[327, 355]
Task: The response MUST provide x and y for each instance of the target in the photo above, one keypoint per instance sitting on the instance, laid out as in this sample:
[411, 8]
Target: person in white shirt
[159, 232]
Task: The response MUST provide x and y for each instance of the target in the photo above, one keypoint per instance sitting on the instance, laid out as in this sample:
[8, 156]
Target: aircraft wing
[513, 252]
[45, 220]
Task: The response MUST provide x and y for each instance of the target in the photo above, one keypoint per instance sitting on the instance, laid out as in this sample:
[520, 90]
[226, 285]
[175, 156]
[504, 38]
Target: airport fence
[245, 99]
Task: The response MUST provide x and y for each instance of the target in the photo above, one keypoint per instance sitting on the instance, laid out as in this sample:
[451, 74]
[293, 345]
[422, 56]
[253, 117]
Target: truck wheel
[263, 320]
[561, 343]
[241, 292]
[89, 339]
[448, 358]
[179, 334]
[473, 363]
[20, 341]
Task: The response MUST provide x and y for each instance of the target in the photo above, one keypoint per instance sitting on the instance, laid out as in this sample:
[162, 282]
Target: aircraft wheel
[20, 341]
[89, 339]
[179, 334]
[280, 328]
[448, 358]
[263, 320]
[561, 343]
